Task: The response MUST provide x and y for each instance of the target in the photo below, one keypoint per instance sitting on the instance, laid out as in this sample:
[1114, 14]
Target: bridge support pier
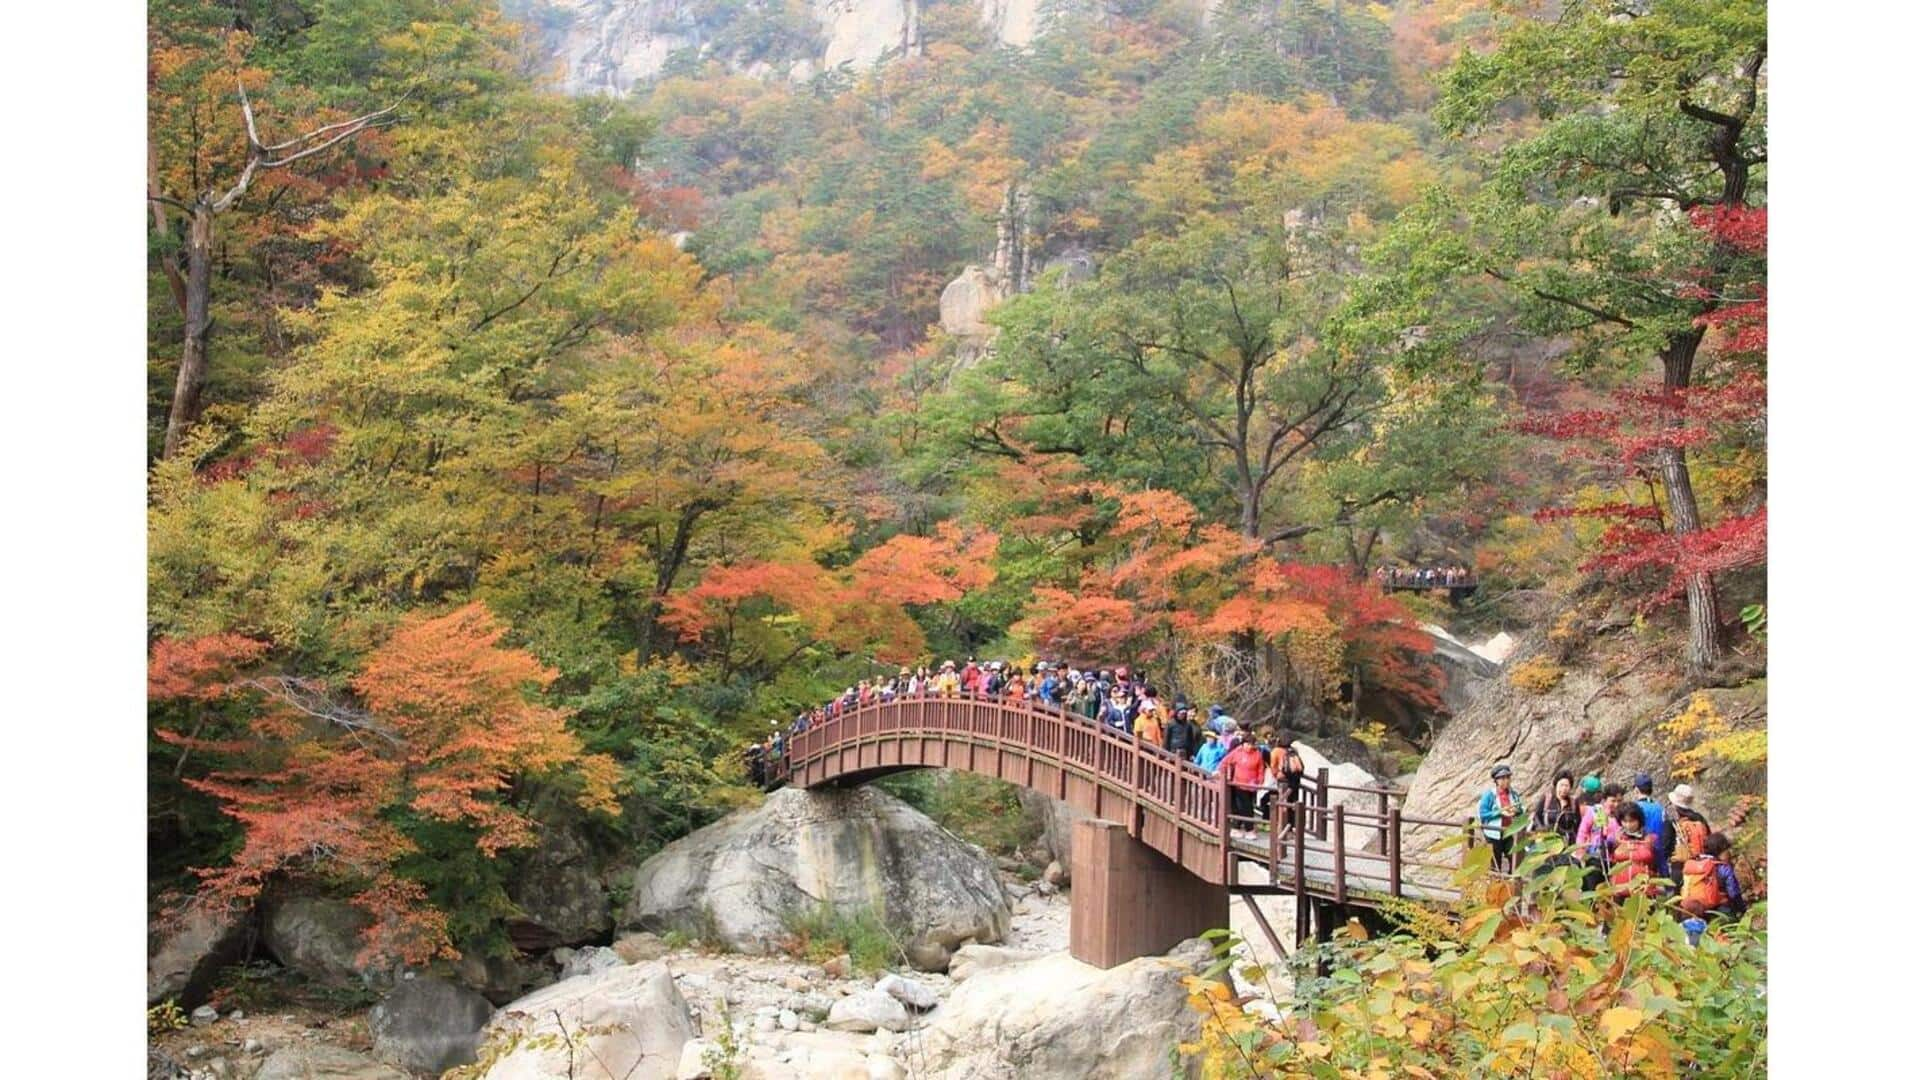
[1129, 900]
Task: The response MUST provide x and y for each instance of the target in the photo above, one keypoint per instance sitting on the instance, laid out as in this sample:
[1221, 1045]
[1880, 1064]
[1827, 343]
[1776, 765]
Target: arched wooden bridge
[1349, 850]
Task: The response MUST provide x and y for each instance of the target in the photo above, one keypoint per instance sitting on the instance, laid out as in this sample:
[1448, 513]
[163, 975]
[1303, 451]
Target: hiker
[1686, 831]
[1291, 771]
[1633, 855]
[1218, 721]
[947, 684]
[1499, 813]
[1212, 750]
[1049, 684]
[1558, 811]
[1148, 727]
[1656, 819]
[1183, 737]
[1246, 769]
[1708, 884]
[1590, 790]
[1599, 831]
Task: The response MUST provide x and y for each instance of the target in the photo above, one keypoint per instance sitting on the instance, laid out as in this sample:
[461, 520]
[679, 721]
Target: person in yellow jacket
[947, 684]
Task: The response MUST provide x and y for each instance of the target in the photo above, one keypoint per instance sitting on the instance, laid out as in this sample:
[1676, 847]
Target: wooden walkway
[1354, 849]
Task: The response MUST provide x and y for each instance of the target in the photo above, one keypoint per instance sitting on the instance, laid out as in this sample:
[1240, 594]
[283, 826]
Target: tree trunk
[1703, 603]
[193, 352]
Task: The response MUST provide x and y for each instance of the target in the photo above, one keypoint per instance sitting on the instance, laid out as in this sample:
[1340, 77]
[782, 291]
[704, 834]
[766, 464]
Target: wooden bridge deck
[1353, 849]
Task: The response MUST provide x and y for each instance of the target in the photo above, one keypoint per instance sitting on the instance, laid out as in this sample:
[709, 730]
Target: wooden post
[1393, 851]
[1133, 808]
[1300, 863]
[1340, 854]
[1380, 803]
[1321, 829]
[1226, 827]
[1276, 813]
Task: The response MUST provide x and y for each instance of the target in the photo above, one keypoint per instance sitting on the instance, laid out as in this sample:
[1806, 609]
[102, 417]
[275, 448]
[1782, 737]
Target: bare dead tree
[193, 290]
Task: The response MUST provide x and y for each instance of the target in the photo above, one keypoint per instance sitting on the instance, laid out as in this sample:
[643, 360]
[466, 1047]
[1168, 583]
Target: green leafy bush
[827, 931]
[1538, 980]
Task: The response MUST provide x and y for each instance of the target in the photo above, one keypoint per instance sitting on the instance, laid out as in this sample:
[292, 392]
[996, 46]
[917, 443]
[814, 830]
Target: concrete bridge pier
[1129, 901]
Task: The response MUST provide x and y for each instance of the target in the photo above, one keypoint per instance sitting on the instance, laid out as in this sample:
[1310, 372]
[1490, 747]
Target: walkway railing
[1348, 844]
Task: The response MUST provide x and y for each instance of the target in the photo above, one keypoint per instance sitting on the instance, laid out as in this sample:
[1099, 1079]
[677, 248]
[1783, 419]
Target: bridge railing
[1158, 781]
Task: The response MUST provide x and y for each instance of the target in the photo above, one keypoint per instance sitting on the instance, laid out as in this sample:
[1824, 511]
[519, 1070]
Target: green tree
[1635, 113]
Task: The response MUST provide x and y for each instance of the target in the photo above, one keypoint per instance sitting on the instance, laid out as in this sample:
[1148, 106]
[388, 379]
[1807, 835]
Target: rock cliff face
[607, 46]
[1602, 713]
[744, 878]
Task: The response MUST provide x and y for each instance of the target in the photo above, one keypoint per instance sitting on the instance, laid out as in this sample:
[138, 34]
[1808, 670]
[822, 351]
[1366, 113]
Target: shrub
[1536, 676]
[827, 931]
[1549, 982]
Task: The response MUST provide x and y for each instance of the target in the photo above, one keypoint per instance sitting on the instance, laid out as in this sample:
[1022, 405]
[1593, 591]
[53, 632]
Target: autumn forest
[516, 457]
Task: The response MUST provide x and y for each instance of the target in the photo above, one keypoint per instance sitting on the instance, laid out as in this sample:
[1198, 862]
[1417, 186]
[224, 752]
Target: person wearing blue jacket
[1656, 814]
[1499, 815]
[1212, 750]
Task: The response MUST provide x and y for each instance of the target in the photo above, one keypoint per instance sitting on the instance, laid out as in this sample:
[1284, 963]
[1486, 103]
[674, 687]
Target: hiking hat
[1500, 771]
[1643, 782]
[1215, 709]
[1682, 795]
[1590, 784]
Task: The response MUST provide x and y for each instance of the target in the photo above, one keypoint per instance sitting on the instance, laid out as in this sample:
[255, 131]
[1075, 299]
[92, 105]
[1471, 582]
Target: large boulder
[320, 938]
[1056, 820]
[497, 978]
[1468, 669]
[746, 878]
[428, 1024]
[185, 951]
[626, 1022]
[1058, 1017]
[971, 960]
[319, 1061]
[560, 895]
[868, 1010]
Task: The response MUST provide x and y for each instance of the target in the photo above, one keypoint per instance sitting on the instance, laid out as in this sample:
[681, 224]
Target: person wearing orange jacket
[1246, 769]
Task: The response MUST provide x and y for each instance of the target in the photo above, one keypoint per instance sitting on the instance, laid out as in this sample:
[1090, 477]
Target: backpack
[1700, 882]
[1690, 838]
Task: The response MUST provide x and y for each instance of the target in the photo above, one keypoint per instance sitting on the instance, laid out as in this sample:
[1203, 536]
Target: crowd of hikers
[1626, 839]
[1422, 577]
[1259, 765]
[1622, 838]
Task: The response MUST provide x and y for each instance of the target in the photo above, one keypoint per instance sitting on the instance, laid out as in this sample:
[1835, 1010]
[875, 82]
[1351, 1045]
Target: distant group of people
[1259, 765]
[1423, 577]
[1621, 837]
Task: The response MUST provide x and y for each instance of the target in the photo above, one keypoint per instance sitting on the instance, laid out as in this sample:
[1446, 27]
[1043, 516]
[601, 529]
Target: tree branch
[1598, 313]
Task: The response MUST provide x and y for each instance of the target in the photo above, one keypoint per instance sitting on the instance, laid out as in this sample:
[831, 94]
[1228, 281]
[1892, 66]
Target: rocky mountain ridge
[609, 46]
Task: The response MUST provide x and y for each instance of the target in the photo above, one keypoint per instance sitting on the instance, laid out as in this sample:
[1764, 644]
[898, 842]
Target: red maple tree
[442, 724]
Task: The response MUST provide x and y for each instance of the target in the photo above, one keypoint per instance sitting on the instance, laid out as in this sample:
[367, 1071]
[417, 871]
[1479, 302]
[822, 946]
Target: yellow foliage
[1700, 736]
[1536, 676]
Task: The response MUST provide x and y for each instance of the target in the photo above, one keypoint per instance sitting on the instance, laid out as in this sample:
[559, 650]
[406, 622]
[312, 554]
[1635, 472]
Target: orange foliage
[448, 726]
[199, 669]
[927, 569]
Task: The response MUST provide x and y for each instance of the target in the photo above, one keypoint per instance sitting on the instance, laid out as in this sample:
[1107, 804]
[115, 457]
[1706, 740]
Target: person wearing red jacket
[1246, 769]
[1634, 855]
